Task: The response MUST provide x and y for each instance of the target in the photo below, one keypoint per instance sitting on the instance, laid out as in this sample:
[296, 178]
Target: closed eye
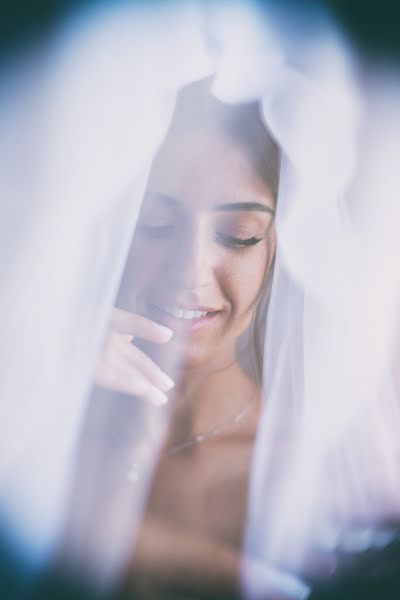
[237, 242]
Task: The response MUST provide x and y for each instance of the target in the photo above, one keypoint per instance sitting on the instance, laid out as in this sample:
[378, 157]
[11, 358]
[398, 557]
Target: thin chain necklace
[214, 431]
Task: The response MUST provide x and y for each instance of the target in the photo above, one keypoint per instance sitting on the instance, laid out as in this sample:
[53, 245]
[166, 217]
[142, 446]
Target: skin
[205, 238]
[185, 253]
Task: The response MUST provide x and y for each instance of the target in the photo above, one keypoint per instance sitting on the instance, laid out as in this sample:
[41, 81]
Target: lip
[187, 325]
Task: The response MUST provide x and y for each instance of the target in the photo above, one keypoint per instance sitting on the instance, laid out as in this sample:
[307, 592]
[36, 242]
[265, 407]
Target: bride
[188, 331]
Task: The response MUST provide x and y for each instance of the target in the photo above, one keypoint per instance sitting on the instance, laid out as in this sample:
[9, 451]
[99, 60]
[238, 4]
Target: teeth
[179, 313]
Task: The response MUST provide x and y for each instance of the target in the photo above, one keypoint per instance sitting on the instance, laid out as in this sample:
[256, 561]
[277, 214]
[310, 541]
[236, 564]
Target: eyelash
[164, 231]
[235, 242]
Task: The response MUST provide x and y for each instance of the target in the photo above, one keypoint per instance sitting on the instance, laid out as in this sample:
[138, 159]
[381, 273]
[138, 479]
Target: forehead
[201, 168]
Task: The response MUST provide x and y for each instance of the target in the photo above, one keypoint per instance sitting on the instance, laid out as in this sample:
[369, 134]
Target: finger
[127, 380]
[119, 356]
[138, 359]
[137, 325]
[118, 350]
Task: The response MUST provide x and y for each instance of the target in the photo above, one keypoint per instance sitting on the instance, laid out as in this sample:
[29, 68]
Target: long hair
[196, 108]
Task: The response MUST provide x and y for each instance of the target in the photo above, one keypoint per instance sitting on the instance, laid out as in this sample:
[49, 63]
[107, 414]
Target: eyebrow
[230, 206]
[245, 206]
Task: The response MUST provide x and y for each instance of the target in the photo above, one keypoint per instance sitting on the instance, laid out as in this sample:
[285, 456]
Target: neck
[228, 367]
[204, 399]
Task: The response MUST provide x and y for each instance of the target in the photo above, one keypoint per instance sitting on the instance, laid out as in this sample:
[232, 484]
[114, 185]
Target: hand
[123, 367]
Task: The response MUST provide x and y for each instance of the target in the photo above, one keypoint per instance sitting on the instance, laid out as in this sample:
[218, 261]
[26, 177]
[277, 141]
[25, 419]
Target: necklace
[214, 431]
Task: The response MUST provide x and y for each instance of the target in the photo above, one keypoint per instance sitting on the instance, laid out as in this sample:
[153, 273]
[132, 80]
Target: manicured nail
[166, 382]
[166, 332]
[158, 398]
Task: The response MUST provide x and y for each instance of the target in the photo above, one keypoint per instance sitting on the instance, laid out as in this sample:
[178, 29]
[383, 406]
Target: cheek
[143, 269]
[243, 277]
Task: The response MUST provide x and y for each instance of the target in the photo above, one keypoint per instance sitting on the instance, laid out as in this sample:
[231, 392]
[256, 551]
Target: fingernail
[166, 382]
[158, 398]
[166, 331]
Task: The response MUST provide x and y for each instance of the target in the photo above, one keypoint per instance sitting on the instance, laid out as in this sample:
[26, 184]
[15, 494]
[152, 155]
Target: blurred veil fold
[79, 125]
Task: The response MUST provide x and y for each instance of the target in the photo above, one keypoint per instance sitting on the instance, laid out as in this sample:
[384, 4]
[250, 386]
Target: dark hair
[197, 108]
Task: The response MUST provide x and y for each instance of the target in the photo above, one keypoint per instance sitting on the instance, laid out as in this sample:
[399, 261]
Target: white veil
[79, 123]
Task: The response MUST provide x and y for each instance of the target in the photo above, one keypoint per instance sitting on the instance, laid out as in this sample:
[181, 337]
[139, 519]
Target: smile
[184, 318]
[180, 313]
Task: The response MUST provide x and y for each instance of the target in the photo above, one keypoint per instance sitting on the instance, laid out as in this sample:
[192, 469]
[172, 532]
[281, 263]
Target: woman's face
[203, 246]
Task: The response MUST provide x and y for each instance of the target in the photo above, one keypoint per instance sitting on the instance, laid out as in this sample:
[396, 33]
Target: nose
[192, 266]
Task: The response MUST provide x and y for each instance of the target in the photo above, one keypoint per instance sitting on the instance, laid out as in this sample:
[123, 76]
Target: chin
[186, 356]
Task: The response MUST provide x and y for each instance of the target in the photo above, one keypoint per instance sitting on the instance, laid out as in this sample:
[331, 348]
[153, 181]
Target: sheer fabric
[79, 126]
